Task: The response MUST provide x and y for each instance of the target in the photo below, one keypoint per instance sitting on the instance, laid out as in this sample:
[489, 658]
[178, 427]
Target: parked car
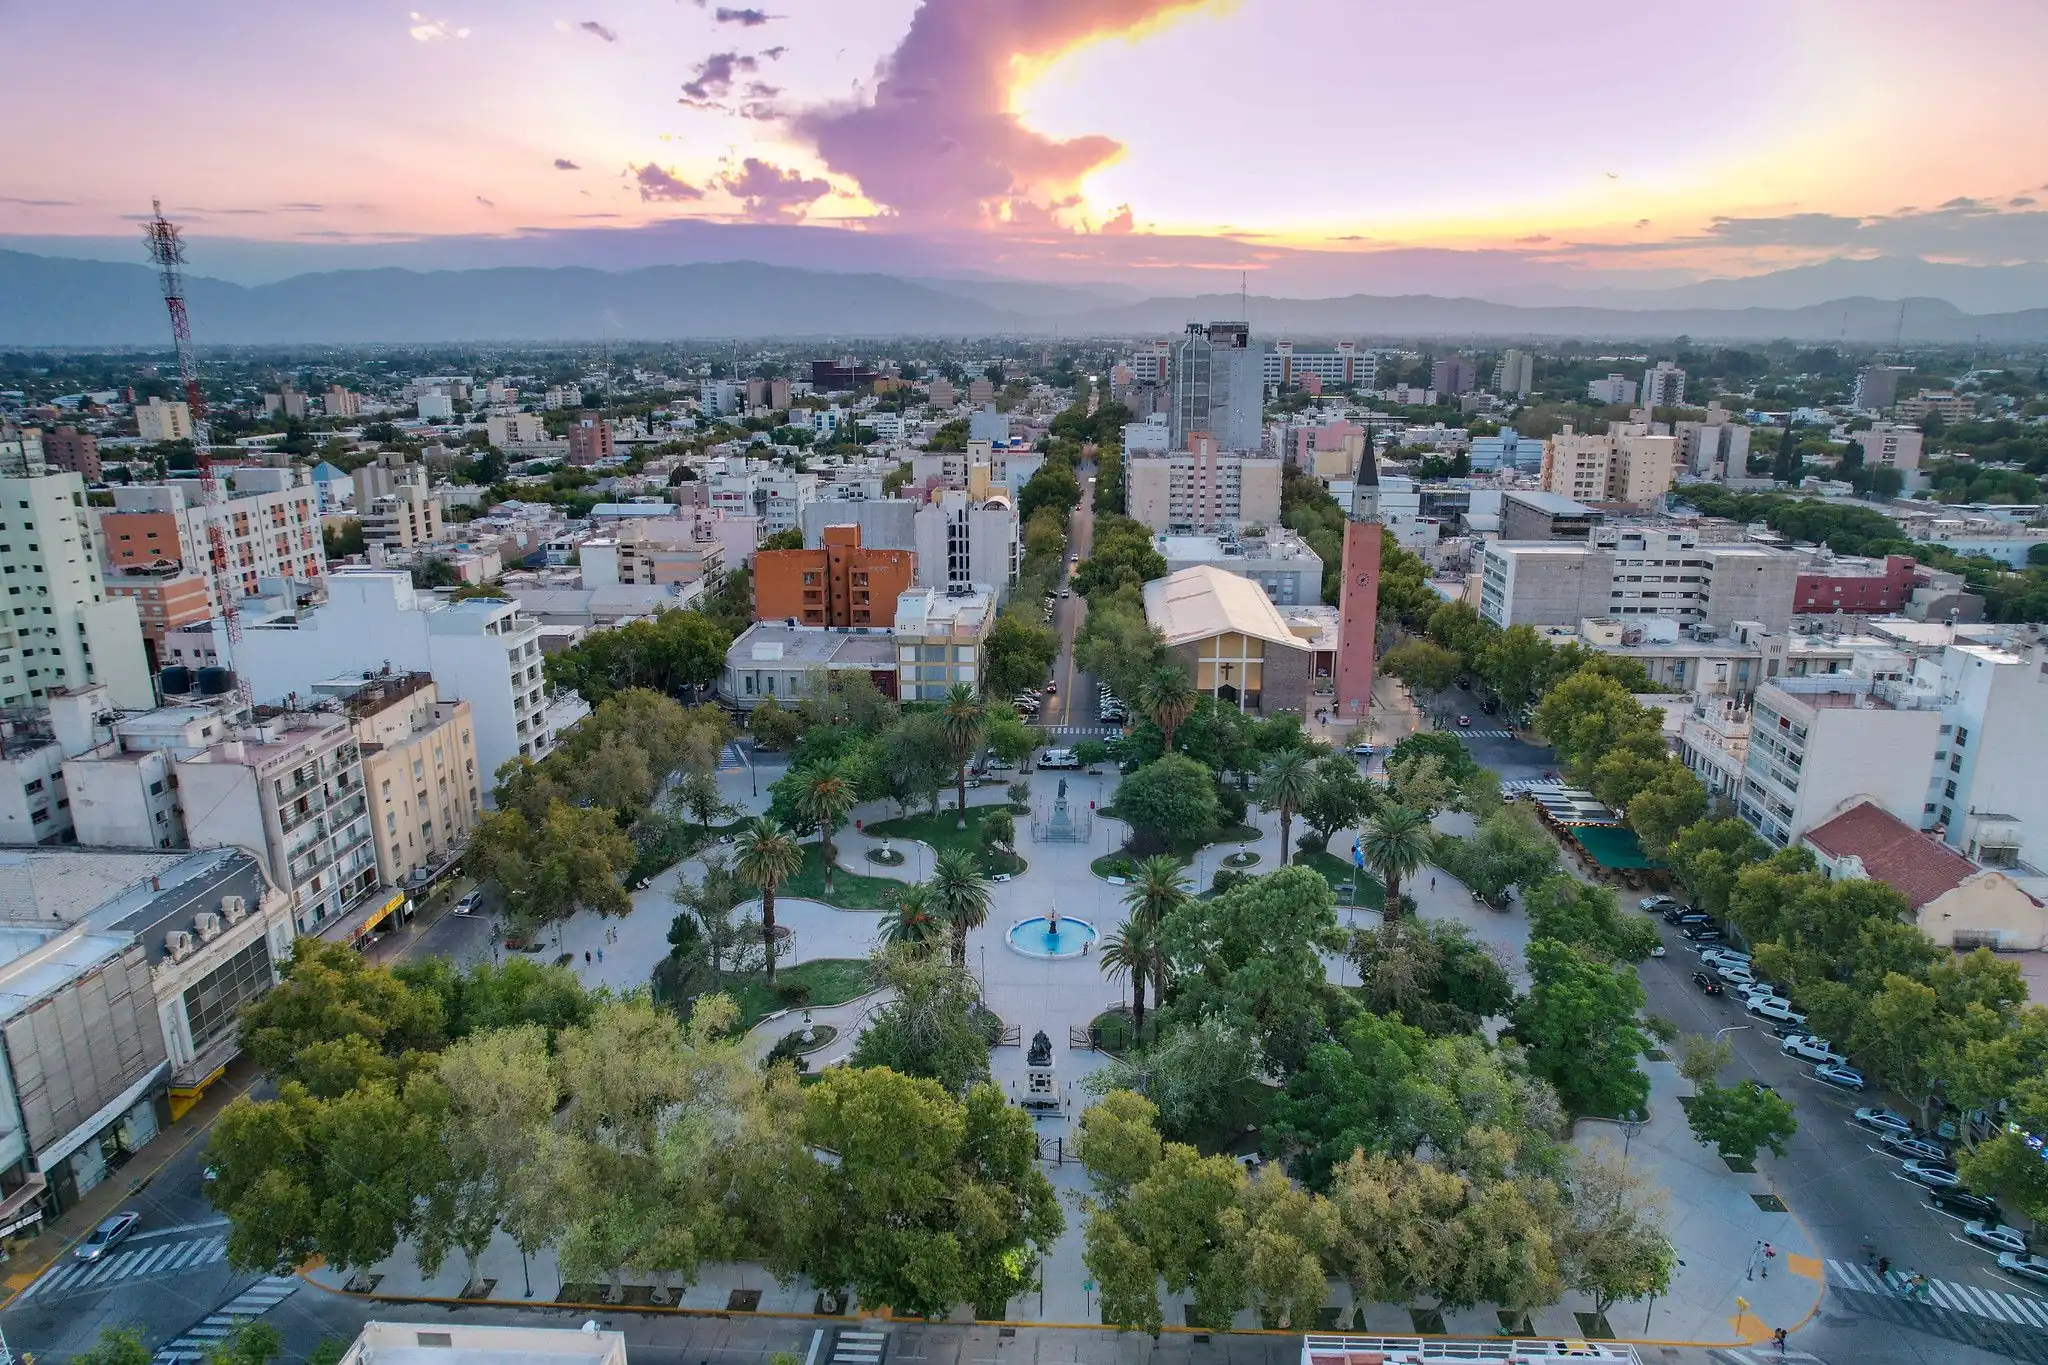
[1674, 913]
[1464, 722]
[1931, 1174]
[1058, 758]
[104, 1237]
[1965, 1203]
[1735, 955]
[1996, 1236]
[1734, 975]
[1774, 1007]
[1884, 1120]
[2033, 1268]
[1811, 1049]
[1706, 982]
[1841, 1077]
[1702, 933]
[1905, 1144]
[1363, 750]
[1655, 903]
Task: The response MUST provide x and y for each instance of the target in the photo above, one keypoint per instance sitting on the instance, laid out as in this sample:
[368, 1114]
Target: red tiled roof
[1918, 866]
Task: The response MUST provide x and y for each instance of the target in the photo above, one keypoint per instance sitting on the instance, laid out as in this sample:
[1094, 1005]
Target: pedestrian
[1778, 1340]
[1432, 883]
[1769, 1253]
[1884, 1266]
[586, 957]
[600, 957]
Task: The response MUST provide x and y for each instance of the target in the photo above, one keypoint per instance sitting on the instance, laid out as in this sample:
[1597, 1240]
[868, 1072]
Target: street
[1075, 703]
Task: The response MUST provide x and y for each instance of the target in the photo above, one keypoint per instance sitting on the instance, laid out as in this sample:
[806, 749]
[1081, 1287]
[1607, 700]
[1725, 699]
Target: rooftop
[1918, 866]
[772, 642]
[1198, 602]
[1556, 504]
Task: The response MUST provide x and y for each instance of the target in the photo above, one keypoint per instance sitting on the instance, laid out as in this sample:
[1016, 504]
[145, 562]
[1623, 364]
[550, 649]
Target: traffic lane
[1507, 758]
[1839, 1182]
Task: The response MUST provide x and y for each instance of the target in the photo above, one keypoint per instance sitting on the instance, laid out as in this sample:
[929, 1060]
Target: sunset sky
[1082, 139]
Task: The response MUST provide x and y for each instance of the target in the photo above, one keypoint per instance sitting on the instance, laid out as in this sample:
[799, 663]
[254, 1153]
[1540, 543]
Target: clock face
[1365, 580]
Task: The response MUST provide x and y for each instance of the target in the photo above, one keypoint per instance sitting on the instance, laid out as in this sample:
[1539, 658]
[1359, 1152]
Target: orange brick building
[842, 583]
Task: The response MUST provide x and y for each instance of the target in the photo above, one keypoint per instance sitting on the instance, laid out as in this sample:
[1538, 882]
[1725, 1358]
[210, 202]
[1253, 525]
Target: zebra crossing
[165, 1258]
[850, 1347]
[1083, 731]
[1487, 734]
[1525, 784]
[202, 1340]
[2023, 1309]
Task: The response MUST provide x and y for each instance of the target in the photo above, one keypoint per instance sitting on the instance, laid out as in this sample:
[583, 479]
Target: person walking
[1770, 1253]
[586, 957]
[1778, 1340]
[600, 957]
[1884, 1266]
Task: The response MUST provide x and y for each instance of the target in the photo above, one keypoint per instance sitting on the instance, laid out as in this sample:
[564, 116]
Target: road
[1075, 704]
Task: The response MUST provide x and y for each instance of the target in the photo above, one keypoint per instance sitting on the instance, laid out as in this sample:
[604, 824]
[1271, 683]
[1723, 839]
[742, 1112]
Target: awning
[360, 922]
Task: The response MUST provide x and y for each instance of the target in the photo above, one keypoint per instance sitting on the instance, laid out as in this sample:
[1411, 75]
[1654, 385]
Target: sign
[36, 1216]
[1088, 1286]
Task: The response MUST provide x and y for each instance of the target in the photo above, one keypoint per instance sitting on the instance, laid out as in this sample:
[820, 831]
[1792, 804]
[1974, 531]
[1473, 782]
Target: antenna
[1244, 313]
[1899, 330]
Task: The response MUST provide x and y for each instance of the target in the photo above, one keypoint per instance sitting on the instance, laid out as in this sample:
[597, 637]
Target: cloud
[1535, 239]
[485, 202]
[563, 163]
[657, 183]
[714, 77]
[2020, 201]
[938, 140]
[597, 30]
[38, 203]
[745, 18]
[425, 30]
[768, 193]
[1119, 222]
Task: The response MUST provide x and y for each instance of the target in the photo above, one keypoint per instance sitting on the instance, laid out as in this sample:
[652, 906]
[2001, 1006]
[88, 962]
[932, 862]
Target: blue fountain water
[1041, 936]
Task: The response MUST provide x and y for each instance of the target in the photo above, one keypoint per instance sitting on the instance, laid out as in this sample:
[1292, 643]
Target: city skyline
[1617, 145]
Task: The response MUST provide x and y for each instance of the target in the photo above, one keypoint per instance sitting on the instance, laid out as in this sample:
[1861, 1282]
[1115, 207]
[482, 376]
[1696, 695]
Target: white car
[1930, 1174]
[1711, 956]
[1734, 975]
[2033, 1268]
[1773, 1007]
[1811, 1049]
[1884, 1120]
[1058, 758]
[1655, 902]
[1996, 1236]
[1841, 1077]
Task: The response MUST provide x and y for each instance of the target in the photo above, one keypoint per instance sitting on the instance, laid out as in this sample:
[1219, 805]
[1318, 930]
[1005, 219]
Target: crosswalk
[850, 1347]
[163, 1258]
[201, 1341]
[1082, 731]
[1488, 734]
[1961, 1298]
[1526, 784]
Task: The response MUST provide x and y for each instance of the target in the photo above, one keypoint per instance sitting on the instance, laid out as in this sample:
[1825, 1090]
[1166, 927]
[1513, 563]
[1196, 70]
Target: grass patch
[1113, 1032]
[1122, 863]
[820, 982]
[850, 890]
[1237, 834]
[1336, 871]
[938, 831]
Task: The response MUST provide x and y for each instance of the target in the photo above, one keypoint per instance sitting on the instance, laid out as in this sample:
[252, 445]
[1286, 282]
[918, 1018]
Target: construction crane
[167, 250]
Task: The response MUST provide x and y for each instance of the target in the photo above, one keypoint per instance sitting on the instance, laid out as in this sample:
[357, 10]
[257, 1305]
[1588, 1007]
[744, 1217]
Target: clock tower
[1358, 605]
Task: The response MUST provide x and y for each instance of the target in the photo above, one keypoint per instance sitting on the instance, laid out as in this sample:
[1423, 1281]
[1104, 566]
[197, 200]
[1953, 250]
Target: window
[1948, 789]
[213, 1003]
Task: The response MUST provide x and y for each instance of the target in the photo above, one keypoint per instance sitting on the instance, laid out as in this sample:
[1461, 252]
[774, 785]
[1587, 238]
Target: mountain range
[57, 301]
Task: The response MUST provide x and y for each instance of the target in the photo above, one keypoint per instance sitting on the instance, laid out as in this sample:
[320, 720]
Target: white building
[1202, 486]
[1821, 743]
[1663, 386]
[1615, 388]
[1514, 373]
[962, 541]
[435, 407]
[158, 420]
[269, 523]
[774, 493]
[61, 629]
[1282, 365]
[1716, 449]
[509, 429]
[484, 651]
[451, 1343]
[1886, 445]
[986, 424]
[1278, 561]
[939, 635]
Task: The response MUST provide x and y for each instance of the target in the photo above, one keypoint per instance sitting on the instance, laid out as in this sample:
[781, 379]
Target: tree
[772, 727]
[1667, 806]
[116, 1346]
[913, 756]
[336, 1021]
[501, 1095]
[1128, 954]
[964, 719]
[934, 1026]
[1701, 1059]
[1158, 885]
[700, 796]
[928, 1201]
[1340, 797]
[960, 894]
[253, 1343]
[1396, 843]
[1589, 718]
[707, 906]
[1578, 1023]
[1739, 1120]
[1423, 665]
[1284, 785]
[1020, 654]
[672, 651]
[1168, 697]
[1566, 910]
[1612, 1245]
[1513, 662]
[998, 834]
[1707, 858]
[1168, 801]
[916, 927]
[826, 795]
[1432, 974]
[572, 859]
[1508, 849]
[765, 856]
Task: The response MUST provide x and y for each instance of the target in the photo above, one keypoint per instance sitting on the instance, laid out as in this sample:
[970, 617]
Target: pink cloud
[659, 184]
[938, 141]
[1121, 221]
[770, 194]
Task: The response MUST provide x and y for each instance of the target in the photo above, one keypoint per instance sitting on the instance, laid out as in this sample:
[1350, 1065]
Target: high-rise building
[940, 636]
[1202, 485]
[1453, 374]
[60, 629]
[1625, 572]
[1819, 743]
[1218, 386]
[1514, 373]
[1615, 388]
[417, 752]
[1624, 464]
[270, 526]
[398, 510]
[1284, 365]
[435, 406]
[1663, 386]
[340, 402]
[21, 452]
[1887, 445]
[590, 440]
[507, 429]
[1358, 598]
[157, 420]
[1877, 387]
[941, 393]
[71, 451]
[1714, 449]
[963, 540]
[843, 583]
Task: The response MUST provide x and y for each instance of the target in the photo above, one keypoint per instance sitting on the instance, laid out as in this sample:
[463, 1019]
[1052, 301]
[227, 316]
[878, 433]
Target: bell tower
[1358, 603]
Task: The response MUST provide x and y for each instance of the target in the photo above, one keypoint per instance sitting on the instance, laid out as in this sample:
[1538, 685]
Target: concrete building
[1877, 387]
[981, 390]
[1956, 903]
[1532, 515]
[1863, 587]
[1235, 646]
[1716, 448]
[1886, 445]
[269, 525]
[1218, 386]
[449, 1343]
[508, 429]
[1818, 745]
[1279, 561]
[964, 541]
[62, 629]
[1358, 599]
[1202, 486]
[1507, 449]
[1713, 741]
[1985, 796]
[21, 452]
[435, 406]
[1283, 365]
[1614, 389]
[1701, 660]
[341, 403]
[1625, 464]
[772, 659]
[986, 424]
[1637, 572]
[842, 583]
[1663, 386]
[941, 393]
[419, 770]
[1454, 375]
[1946, 404]
[70, 451]
[158, 420]
[774, 493]
[940, 636]
[1514, 373]
[590, 440]
[484, 651]
[664, 552]
[885, 524]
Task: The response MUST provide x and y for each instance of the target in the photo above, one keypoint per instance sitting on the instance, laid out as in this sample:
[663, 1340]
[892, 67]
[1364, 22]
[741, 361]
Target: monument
[1040, 1090]
[1358, 604]
[1061, 827]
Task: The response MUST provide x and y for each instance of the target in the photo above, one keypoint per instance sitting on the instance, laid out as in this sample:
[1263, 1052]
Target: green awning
[1614, 847]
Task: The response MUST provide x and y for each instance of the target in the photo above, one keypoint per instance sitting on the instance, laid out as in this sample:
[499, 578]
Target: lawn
[850, 890]
[824, 981]
[938, 831]
[1336, 871]
[1119, 863]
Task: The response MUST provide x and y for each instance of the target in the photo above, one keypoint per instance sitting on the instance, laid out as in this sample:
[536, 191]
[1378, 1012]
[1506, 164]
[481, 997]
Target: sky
[1304, 146]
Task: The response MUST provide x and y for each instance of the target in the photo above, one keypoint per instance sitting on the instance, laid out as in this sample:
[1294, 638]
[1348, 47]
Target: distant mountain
[1972, 288]
[54, 301]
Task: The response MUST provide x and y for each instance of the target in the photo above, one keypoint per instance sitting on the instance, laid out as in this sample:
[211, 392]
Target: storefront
[95, 1151]
[382, 911]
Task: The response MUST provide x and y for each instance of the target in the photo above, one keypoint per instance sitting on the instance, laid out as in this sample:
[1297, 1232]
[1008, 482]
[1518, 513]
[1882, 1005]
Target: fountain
[1051, 935]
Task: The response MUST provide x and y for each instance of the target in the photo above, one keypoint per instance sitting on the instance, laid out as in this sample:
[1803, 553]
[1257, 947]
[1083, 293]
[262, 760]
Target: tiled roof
[1918, 866]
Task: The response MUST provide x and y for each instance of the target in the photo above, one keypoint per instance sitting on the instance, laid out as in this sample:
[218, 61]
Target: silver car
[106, 1235]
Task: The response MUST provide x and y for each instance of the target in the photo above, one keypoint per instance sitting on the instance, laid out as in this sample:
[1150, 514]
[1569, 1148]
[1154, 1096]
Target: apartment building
[21, 452]
[774, 493]
[1821, 743]
[984, 467]
[70, 451]
[1663, 386]
[484, 651]
[1630, 572]
[399, 511]
[158, 420]
[340, 402]
[1202, 486]
[1279, 561]
[1283, 365]
[1984, 796]
[1514, 373]
[1625, 464]
[1887, 445]
[289, 789]
[1614, 389]
[1218, 386]
[963, 541]
[664, 552]
[60, 628]
[590, 440]
[1946, 404]
[1877, 387]
[269, 524]
[1530, 514]
[842, 583]
[1866, 587]
[507, 429]
[419, 768]
[1716, 448]
[1453, 374]
[939, 636]
[1713, 741]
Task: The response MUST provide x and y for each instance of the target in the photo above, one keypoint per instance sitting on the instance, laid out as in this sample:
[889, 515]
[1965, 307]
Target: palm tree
[1168, 696]
[1285, 786]
[826, 794]
[1132, 952]
[963, 720]
[1395, 843]
[960, 896]
[765, 856]
[1158, 885]
[917, 924]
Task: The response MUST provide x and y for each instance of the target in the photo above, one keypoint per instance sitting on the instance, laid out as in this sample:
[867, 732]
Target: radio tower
[167, 250]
